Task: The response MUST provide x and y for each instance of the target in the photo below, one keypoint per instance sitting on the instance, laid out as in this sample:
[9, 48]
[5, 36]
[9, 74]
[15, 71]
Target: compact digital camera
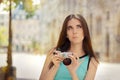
[67, 60]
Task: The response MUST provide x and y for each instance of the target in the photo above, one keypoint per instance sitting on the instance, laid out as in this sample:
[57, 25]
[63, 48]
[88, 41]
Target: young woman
[74, 38]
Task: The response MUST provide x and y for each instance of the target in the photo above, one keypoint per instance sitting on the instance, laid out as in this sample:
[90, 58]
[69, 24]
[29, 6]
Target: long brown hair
[63, 42]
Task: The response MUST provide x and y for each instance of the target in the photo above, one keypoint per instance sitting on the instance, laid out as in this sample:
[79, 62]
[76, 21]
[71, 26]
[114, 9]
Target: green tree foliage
[27, 6]
[3, 36]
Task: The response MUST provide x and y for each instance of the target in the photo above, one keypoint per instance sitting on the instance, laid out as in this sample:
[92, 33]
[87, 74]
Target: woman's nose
[74, 31]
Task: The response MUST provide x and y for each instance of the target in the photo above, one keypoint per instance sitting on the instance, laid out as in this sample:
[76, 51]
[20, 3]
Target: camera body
[67, 61]
[65, 54]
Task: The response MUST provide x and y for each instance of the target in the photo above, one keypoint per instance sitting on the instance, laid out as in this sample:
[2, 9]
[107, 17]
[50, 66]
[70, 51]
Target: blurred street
[29, 67]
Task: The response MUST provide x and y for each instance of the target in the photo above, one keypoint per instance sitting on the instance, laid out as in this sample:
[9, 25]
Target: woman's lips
[75, 37]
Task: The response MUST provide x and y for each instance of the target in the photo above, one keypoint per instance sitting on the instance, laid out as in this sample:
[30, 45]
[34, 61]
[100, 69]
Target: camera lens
[67, 61]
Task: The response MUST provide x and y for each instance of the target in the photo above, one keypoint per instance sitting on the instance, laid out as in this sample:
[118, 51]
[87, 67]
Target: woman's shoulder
[93, 62]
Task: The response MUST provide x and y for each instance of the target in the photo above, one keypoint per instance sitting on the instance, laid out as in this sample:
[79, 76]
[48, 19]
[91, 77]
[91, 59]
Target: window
[91, 23]
[108, 15]
[99, 26]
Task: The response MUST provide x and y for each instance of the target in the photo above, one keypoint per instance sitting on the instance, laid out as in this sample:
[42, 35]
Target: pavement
[108, 71]
[29, 67]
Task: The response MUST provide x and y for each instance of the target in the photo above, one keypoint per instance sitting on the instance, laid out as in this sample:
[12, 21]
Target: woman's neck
[77, 49]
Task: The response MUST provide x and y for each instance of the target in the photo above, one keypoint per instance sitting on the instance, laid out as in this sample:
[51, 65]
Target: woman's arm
[92, 69]
[73, 67]
[46, 65]
[74, 76]
[48, 73]
[51, 73]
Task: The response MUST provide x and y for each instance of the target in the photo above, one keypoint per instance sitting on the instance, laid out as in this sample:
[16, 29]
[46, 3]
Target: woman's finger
[72, 58]
[51, 51]
[56, 52]
[57, 57]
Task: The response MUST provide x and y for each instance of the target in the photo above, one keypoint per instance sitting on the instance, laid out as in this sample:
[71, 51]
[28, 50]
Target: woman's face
[75, 31]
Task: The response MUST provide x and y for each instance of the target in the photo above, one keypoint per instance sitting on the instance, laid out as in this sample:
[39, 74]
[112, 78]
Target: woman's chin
[76, 42]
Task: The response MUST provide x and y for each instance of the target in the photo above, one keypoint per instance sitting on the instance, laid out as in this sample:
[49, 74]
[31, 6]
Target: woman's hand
[50, 71]
[74, 64]
[56, 58]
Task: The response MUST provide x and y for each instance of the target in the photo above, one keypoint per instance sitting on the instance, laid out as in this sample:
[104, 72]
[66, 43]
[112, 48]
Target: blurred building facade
[44, 27]
[104, 24]
[102, 17]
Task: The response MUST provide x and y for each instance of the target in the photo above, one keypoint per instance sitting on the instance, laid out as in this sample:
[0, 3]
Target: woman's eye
[69, 27]
[79, 26]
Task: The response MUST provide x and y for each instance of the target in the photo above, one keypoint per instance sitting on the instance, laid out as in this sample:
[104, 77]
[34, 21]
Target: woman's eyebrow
[69, 26]
[79, 25]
